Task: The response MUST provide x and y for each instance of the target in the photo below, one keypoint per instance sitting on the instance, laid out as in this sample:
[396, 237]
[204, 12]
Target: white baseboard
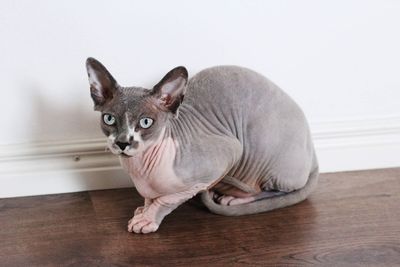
[79, 165]
[357, 144]
[59, 167]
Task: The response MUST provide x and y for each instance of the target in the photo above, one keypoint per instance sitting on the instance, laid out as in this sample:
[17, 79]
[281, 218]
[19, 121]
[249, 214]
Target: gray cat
[228, 132]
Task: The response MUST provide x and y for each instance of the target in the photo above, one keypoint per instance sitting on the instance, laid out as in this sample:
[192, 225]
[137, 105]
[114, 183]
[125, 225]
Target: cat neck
[154, 158]
[189, 124]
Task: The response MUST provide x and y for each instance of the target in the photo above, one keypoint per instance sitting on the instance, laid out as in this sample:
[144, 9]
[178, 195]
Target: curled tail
[263, 205]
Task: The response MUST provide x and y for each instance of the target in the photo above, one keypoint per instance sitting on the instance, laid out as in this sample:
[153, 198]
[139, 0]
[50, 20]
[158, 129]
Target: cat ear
[170, 91]
[102, 84]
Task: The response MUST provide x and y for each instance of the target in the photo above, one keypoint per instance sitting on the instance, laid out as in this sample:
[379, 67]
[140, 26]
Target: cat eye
[145, 123]
[109, 119]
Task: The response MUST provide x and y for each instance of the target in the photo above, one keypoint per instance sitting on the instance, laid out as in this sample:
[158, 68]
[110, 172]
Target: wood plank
[353, 219]
[47, 230]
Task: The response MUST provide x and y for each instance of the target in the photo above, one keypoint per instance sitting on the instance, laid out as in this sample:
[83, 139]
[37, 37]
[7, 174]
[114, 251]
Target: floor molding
[357, 144]
[78, 165]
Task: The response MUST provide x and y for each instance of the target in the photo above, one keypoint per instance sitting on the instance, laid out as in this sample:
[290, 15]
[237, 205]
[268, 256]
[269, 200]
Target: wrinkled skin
[228, 131]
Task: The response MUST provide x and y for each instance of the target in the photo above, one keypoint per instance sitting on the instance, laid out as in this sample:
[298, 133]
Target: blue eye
[109, 119]
[145, 123]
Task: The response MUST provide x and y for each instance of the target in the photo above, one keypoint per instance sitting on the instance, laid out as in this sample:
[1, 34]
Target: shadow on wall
[62, 120]
[55, 144]
[66, 142]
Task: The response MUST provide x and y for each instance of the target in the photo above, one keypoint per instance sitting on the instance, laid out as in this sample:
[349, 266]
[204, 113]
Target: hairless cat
[228, 133]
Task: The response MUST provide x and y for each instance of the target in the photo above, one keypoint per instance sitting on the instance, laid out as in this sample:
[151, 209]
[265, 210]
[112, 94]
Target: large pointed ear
[170, 91]
[102, 84]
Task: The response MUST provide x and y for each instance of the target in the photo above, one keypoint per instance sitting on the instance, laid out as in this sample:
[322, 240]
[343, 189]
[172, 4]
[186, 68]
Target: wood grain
[353, 219]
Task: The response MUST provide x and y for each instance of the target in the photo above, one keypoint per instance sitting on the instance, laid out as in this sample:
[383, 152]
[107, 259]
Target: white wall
[339, 60]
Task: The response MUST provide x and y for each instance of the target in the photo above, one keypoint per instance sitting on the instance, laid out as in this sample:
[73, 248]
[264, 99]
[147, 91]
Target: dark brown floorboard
[353, 219]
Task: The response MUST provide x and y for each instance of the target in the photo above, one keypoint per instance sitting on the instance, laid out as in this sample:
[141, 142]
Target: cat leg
[232, 191]
[147, 202]
[149, 219]
[217, 158]
[231, 200]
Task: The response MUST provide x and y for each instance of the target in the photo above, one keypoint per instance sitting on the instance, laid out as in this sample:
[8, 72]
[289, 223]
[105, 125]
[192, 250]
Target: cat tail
[263, 205]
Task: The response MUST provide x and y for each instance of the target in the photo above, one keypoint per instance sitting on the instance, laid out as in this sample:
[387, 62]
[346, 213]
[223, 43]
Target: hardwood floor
[352, 219]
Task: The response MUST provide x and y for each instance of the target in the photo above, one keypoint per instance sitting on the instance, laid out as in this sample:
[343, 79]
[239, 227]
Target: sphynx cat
[228, 133]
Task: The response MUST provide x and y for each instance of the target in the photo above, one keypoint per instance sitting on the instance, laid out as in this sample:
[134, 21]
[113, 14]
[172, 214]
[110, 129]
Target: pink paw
[225, 200]
[139, 210]
[140, 224]
[232, 201]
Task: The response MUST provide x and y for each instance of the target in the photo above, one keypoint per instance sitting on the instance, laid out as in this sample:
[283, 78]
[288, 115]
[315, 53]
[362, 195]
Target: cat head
[134, 117]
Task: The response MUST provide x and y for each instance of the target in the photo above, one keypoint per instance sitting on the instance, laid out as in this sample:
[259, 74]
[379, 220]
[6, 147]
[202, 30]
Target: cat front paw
[139, 210]
[141, 225]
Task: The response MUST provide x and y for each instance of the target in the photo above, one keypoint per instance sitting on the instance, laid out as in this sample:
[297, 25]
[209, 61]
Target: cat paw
[139, 210]
[225, 200]
[232, 201]
[141, 225]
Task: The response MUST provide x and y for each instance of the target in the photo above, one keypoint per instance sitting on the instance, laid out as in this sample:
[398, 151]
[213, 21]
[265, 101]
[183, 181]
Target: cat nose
[122, 145]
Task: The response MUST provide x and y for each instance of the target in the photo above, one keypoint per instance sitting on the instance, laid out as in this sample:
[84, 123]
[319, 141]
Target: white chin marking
[131, 131]
[137, 137]
[111, 145]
